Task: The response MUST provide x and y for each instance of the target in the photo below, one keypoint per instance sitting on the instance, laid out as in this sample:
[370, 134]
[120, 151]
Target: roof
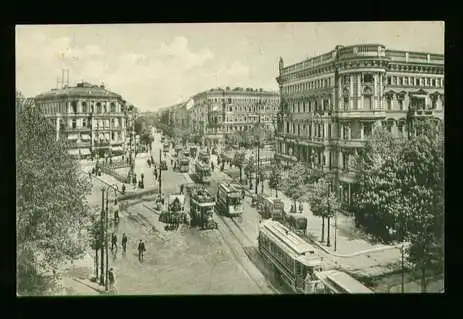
[83, 89]
[343, 280]
[282, 234]
[227, 187]
[201, 196]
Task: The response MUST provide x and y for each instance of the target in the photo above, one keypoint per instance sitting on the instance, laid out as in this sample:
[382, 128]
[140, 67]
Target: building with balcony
[93, 119]
[332, 102]
[219, 111]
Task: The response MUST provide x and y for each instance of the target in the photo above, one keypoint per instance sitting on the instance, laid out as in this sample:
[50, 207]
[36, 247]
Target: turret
[282, 64]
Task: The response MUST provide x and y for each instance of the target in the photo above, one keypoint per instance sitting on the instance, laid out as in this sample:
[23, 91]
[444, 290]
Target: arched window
[367, 98]
[74, 106]
[84, 107]
[98, 107]
[113, 107]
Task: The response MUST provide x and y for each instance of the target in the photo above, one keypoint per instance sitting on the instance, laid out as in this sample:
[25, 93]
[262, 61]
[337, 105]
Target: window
[388, 80]
[112, 136]
[367, 98]
[346, 103]
[401, 104]
[113, 108]
[84, 122]
[389, 103]
[84, 107]
[98, 107]
[74, 106]
[405, 81]
[74, 123]
[394, 80]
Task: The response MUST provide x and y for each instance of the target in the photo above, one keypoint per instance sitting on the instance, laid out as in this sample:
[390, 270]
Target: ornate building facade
[93, 119]
[331, 103]
[219, 111]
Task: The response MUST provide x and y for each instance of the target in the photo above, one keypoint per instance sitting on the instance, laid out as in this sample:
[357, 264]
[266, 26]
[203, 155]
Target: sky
[158, 65]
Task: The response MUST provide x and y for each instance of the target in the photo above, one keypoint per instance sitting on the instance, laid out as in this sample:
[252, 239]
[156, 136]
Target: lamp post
[336, 220]
[328, 243]
[403, 268]
[102, 234]
[115, 188]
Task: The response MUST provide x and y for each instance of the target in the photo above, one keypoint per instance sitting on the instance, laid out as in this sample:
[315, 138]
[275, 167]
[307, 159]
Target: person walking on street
[212, 166]
[112, 278]
[116, 217]
[124, 243]
[113, 242]
[141, 250]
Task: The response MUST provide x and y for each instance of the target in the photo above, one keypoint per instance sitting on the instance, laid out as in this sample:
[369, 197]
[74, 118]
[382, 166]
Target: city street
[186, 261]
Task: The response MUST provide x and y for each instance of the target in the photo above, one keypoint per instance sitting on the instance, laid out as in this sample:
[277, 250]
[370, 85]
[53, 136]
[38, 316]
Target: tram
[182, 164]
[338, 282]
[200, 205]
[293, 260]
[202, 173]
[204, 157]
[229, 200]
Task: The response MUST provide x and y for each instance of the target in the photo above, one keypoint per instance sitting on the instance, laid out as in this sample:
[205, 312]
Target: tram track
[263, 286]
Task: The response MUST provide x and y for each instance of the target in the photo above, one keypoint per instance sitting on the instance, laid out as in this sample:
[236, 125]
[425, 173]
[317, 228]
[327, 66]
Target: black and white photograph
[230, 158]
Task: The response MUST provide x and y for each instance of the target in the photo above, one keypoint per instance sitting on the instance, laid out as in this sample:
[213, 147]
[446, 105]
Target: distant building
[92, 118]
[331, 103]
[219, 111]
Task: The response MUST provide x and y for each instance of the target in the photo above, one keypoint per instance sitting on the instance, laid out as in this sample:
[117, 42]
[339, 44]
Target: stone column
[340, 163]
[57, 128]
[359, 91]
[362, 129]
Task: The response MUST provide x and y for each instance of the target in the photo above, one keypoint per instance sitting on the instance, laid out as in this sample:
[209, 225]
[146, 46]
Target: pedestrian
[301, 209]
[124, 243]
[116, 217]
[212, 166]
[141, 250]
[113, 241]
[149, 163]
[112, 279]
[123, 189]
[171, 162]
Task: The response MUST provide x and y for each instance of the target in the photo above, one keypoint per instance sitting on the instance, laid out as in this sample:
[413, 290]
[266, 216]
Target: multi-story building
[92, 118]
[218, 112]
[331, 103]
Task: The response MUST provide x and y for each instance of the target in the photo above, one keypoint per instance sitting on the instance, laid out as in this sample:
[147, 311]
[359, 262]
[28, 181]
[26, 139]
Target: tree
[296, 183]
[95, 237]
[147, 138]
[324, 203]
[250, 168]
[139, 125]
[400, 194]
[275, 177]
[52, 212]
[239, 160]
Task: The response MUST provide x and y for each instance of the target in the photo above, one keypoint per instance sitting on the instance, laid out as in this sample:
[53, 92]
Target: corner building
[331, 103]
[92, 118]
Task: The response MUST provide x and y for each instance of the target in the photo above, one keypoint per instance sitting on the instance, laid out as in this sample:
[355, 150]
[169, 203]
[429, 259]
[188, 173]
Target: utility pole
[329, 212]
[403, 269]
[258, 151]
[102, 238]
[160, 173]
[106, 240]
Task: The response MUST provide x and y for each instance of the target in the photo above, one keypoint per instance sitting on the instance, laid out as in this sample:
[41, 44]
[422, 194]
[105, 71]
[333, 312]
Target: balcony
[76, 129]
[361, 114]
[351, 142]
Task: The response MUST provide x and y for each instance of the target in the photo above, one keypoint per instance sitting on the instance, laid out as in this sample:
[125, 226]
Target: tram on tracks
[229, 200]
[338, 282]
[199, 203]
[204, 157]
[293, 260]
[182, 164]
[202, 173]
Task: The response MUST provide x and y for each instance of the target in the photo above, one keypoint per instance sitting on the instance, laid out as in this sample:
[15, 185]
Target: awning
[74, 151]
[73, 137]
[85, 137]
[85, 151]
[117, 148]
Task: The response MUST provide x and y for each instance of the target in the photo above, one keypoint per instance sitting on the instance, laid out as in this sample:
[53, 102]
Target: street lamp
[336, 219]
[116, 189]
